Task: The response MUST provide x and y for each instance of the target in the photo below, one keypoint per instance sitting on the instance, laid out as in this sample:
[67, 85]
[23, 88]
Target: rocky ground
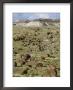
[36, 51]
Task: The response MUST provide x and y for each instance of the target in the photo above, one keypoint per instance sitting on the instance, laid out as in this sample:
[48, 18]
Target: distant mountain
[37, 22]
[40, 19]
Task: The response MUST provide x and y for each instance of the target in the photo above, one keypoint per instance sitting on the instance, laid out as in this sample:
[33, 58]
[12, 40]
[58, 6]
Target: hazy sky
[31, 16]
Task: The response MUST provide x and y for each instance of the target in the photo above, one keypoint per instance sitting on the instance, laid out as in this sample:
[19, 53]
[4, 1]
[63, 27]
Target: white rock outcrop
[33, 24]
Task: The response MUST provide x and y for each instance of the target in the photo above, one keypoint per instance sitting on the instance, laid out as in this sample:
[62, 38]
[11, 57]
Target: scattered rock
[52, 70]
[25, 57]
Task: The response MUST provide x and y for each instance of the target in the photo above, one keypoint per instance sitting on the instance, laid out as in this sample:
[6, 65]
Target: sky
[32, 16]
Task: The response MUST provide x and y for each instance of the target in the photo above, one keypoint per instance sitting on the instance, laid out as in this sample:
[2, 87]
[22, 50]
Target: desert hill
[37, 23]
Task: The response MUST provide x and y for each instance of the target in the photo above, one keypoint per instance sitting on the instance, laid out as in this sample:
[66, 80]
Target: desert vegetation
[36, 49]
